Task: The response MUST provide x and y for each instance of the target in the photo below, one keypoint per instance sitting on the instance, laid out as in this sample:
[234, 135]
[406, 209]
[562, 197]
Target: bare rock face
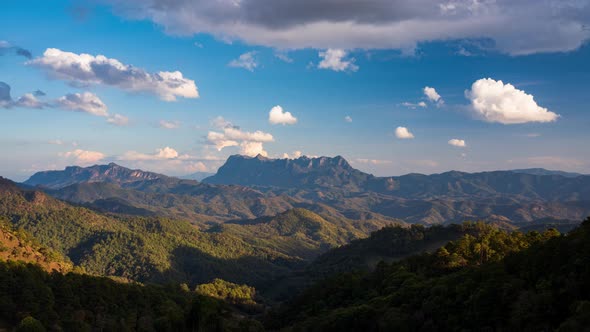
[301, 173]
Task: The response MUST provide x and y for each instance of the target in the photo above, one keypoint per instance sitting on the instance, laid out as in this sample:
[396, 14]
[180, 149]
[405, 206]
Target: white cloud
[83, 102]
[118, 120]
[278, 116]
[28, 100]
[348, 119]
[433, 96]
[220, 140]
[83, 157]
[494, 101]
[237, 134]
[334, 59]
[246, 61]
[294, 155]
[159, 154]
[403, 133]
[414, 105]
[457, 142]
[252, 149]
[169, 124]
[514, 27]
[250, 143]
[198, 166]
[85, 69]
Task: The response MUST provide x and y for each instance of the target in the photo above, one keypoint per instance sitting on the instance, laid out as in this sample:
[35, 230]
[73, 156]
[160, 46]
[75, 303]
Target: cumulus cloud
[433, 96]
[278, 116]
[250, 143]
[169, 124]
[246, 61]
[28, 100]
[88, 102]
[457, 142]
[249, 148]
[403, 133]
[83, 157]
[83, 102]
[514, 27]
[334, 59]
[348, 118]
[86, 69]
[494, 101]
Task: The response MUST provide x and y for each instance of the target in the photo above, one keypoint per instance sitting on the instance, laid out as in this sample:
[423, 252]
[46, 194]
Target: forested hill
[494, 280]
[158, 249]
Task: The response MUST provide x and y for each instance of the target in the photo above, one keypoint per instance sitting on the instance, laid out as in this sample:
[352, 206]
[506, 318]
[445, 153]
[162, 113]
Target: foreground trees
[493, 280]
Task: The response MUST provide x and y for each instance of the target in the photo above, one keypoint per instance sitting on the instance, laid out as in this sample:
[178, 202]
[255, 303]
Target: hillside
[183, 199]
[159, 249]
[299, 231]
[493, 280]
[17, 245]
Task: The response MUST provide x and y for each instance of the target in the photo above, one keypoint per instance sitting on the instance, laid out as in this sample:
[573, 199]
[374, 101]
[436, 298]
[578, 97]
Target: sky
[393, 86]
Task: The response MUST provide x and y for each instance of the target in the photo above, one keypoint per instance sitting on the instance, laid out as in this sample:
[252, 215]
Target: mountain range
[263, 231]
[246, 187]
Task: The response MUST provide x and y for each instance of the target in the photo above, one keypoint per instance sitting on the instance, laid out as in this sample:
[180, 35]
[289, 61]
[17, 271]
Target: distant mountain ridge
[302, 173]
[336, 174]
[246, 188]
[543, 171]
[98, 173]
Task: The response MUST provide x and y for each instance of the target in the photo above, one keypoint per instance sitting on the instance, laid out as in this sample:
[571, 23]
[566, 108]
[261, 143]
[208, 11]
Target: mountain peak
[98, 173]
[299, 173]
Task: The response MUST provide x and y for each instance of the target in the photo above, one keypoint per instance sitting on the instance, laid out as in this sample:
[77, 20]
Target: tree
[30, 324]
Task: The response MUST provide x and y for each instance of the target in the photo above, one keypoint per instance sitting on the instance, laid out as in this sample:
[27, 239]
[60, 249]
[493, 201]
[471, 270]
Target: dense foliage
[35, 300]
[159, 249]
[494, 280]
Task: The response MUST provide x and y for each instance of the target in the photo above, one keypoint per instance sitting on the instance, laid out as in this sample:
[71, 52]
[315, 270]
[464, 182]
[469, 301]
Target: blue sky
[307, 63]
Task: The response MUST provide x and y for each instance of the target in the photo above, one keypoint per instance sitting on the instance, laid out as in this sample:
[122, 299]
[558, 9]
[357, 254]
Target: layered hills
[246, 188]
